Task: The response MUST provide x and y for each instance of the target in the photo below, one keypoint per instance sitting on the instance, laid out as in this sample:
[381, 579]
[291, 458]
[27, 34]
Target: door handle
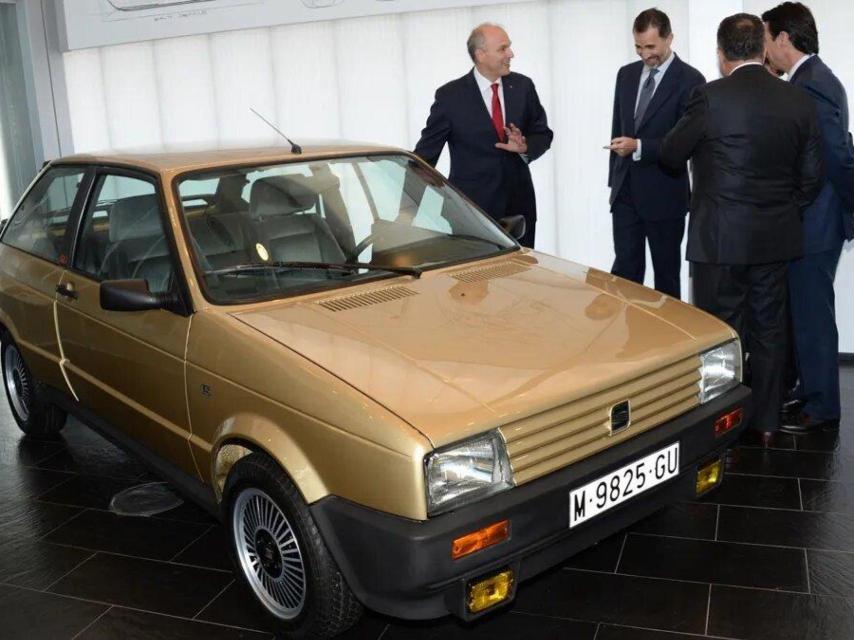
[66, 290]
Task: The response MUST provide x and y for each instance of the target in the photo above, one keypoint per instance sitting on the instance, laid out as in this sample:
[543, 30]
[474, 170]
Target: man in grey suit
[791, 40]
[757, 165]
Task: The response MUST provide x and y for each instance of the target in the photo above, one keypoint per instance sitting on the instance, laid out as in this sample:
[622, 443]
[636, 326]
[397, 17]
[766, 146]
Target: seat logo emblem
[621, 416]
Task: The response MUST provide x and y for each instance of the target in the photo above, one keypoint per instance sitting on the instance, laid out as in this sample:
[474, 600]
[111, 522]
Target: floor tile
[35, 564]
[779, 440]
[831, 531]
[821, 495]
[30, 614]
[603, 597]
[827, 441]
[27, 451]
[236, 606]
[831, 573]
[27, 482]
[717, 562]
[211, 550]
[138, 625]
[684, 520]
[504, 625]
[600, 557]
[795, 464]
[31, 518]
[188, 512]
[97, 461]
[128, 535]
[159, 587]
[611, 632]
[752, 491]
[88, 491]
[755, 614]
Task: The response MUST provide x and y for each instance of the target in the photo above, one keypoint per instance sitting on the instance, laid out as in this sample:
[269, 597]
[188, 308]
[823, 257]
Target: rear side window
[40, 224]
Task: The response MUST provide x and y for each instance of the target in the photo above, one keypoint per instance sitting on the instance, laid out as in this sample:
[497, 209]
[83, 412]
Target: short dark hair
[652, 18]
[741, 37]
[795, 19]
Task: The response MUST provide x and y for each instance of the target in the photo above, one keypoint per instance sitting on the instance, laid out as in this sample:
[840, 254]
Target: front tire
[280, 555]
[34, 416]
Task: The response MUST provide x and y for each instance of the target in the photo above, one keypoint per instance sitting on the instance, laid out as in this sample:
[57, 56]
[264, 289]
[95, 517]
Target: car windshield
[270, 231]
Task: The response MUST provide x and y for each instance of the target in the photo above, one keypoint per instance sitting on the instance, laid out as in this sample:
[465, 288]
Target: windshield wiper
[328, 266]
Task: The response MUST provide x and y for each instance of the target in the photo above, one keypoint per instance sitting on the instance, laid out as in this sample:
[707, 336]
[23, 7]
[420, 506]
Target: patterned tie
[497, 118]
[645, 97]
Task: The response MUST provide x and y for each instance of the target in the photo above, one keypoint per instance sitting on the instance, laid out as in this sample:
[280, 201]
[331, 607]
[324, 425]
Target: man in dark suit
[648, 204]
[494, 125]
[791, 40]
[757, 165]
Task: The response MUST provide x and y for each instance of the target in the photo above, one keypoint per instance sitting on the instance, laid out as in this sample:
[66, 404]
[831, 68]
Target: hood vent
[345, 303]
[488, 273]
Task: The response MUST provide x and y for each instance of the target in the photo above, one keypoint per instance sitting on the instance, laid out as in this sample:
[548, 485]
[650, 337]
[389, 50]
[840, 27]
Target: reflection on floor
[769, 556]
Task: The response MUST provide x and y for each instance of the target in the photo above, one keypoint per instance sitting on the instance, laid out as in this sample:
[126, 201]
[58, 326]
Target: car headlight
[466, 472]
[720, 370]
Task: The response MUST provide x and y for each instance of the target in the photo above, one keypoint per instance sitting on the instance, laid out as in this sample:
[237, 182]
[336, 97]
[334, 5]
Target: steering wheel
[367, 241]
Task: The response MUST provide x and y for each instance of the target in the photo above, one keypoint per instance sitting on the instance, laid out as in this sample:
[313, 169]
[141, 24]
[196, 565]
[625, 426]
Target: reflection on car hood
[466, 349]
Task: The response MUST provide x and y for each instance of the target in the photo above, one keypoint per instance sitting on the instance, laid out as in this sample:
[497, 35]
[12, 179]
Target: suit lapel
[668, 85]
[512, 102]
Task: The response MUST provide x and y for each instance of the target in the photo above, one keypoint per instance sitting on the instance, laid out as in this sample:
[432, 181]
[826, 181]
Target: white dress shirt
[485, 87]
[656, 81]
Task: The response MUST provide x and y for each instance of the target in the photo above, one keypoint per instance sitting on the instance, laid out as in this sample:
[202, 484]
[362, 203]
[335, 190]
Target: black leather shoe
[791, 408]
[803, 423]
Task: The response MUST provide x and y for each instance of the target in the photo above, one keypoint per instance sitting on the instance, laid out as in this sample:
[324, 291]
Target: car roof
[178, 160]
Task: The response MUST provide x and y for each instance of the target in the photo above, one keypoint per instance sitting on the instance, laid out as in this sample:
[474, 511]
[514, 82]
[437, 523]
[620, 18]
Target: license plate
[618, 486]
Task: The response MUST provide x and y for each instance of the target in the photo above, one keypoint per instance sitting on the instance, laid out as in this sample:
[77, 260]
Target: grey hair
[477, 40]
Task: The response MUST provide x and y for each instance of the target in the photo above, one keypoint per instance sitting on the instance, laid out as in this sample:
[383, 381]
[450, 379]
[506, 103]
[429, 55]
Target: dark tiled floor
[769, 556]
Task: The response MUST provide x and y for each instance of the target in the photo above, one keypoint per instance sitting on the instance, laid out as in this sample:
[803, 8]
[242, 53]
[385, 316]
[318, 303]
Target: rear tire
[280, 556]
[34, 416]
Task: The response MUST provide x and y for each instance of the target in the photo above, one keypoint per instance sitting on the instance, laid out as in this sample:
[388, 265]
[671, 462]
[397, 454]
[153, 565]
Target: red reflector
[481, 539]
[728, 421]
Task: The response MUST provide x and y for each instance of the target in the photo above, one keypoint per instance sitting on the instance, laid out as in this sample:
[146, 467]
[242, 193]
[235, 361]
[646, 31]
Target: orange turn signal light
[480, 539]
[728, 421]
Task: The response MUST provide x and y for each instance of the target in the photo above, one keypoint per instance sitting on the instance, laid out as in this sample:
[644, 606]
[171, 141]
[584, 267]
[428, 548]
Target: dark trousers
[814, 330]
[752, 300]
[631, 233]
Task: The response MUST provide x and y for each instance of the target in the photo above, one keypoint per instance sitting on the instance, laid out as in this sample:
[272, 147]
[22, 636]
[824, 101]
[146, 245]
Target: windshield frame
[369, 278]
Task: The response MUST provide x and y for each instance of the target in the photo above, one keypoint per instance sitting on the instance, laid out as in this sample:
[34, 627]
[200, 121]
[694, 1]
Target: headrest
[282, 195]
[135, 217]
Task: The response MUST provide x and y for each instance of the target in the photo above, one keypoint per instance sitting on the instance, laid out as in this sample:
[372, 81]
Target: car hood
[463, 350]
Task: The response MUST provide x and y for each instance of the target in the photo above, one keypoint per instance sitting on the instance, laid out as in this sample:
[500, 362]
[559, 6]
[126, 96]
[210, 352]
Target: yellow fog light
[709, 476]
[489, 591]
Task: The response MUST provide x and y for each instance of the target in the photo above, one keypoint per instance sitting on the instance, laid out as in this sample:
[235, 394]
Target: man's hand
[516, 142]
[623, 146]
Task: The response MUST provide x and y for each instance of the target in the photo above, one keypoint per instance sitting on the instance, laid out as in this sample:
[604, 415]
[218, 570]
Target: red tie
[497, 118]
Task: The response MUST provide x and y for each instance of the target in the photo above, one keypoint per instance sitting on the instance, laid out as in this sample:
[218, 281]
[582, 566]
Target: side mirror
[514, 226]
[131, 295]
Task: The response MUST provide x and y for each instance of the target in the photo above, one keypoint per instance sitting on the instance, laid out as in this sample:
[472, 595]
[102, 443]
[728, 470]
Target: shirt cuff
[637, 154]
[525, 158]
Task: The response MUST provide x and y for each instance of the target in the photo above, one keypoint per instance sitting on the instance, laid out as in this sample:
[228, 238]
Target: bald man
[494, 125]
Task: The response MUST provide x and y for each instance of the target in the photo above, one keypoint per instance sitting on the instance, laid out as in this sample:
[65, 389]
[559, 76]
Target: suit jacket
[829, 221]
[757, 164]
[657, 195]
[490, 177]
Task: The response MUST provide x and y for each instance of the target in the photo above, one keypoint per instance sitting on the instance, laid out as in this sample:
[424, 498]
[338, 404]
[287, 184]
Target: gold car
[387, 400]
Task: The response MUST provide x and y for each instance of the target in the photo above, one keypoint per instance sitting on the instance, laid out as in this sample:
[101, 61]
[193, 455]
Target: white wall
[374, 78]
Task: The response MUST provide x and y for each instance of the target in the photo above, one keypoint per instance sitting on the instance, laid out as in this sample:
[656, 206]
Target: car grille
[546, 442]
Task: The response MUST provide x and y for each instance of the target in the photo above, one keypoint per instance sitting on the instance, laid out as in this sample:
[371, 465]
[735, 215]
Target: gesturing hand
[516, 142]
[623, 146]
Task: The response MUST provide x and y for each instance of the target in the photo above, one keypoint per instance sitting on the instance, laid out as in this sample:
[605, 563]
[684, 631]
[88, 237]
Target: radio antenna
[295, 148]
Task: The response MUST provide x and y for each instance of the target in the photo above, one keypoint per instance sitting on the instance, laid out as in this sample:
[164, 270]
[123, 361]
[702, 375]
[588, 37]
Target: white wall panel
[185, 85]
[86, 100]
[306, 81]
[371, 79]
[243, 80]
[132, 98]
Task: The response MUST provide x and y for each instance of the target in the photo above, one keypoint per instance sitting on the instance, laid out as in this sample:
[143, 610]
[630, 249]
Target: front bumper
[403, 568]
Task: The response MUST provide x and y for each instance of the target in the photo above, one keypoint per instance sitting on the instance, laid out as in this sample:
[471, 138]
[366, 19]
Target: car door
[127, 367]
[33, 257]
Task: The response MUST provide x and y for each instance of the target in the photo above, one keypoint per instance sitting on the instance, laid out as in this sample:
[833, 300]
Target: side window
[123, 236]
[39, 225]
